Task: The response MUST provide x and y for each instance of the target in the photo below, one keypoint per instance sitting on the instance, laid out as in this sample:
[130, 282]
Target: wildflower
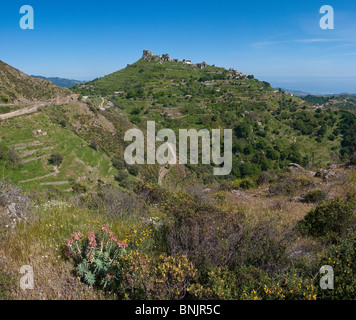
[92, 240]
[122, 244]
[113, 239]
[69, 242]
[106, 229]
[77, 236]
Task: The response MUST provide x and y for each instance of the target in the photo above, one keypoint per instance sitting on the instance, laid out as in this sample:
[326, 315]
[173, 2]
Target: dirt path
[34, 159]
[56, 183]
[39, 178]
[20, 112]
[163, 171]
[31, 152]
[56, 171]
[29, 109]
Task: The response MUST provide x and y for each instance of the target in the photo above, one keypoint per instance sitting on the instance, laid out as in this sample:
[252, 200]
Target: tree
[56, 159]
[133, 169]
[13, 157]
[243, 130]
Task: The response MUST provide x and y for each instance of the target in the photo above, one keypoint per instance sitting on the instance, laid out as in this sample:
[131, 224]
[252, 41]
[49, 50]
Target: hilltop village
[149, 55]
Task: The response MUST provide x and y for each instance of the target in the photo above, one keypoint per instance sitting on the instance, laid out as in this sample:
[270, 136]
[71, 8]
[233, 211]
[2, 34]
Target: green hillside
[36, 138]
[271, 128]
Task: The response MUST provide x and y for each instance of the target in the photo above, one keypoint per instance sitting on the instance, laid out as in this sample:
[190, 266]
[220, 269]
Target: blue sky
[277, 41]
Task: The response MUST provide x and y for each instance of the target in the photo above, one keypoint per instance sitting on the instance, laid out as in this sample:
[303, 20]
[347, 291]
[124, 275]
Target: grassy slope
[81, 163]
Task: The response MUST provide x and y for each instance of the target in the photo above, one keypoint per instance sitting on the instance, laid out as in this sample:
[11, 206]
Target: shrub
[172, 277]
[290, 287]
[328, 219]
[314, 196]
[116, 203]
[287, 184]
[118, 163]
[96, 257]
[13, 157]
[223, 284]
[220, 284]
[206, 234]
[133, 170]
[247, 183]
[78, 188]
[123, 178]
[2, 152]
[136, 271]
[4, 98]
[56, 159]
[164, 278]
[342, 257]
[152, 193]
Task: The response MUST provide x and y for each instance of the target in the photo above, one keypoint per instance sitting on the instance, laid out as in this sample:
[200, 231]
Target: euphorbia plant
[97, 257]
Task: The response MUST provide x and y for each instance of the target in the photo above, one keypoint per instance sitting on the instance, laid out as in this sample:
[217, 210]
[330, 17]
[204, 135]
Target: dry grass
[39, 244]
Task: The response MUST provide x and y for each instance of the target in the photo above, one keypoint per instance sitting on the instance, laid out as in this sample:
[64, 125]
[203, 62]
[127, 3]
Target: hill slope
[17, 87]
[271, 128]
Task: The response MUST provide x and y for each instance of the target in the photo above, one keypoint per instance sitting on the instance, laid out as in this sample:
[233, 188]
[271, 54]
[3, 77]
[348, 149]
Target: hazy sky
[277, 41]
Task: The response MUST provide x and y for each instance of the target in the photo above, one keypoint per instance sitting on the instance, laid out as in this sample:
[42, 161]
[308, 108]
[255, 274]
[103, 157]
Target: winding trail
[20, 112]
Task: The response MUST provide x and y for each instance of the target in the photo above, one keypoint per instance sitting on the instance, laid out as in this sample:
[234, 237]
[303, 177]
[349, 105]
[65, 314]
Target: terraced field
[81, 163]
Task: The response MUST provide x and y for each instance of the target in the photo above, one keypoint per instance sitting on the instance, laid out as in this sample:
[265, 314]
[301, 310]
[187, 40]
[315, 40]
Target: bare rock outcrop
[14, 205]
[296, 169]
[147, 54]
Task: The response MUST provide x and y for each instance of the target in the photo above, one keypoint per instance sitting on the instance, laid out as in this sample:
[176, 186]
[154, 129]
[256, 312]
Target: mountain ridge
[18, 87]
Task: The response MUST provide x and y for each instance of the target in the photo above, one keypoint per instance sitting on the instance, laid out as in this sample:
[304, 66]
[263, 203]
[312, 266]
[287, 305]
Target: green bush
[13, 157]
[247, 183]
[328, 219]
[314, 196]
[342, 257]
[56, 159]
[78, 188]
[133, 169]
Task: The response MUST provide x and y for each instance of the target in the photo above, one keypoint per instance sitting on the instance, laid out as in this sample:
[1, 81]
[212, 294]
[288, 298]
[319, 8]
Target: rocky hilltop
[150, 56]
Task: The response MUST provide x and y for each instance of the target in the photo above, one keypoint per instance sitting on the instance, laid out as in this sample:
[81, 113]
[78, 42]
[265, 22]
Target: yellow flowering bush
[292, 288]
[136, 271]
[342, 257]
[221, 285]
[135, 237]
[172, 277]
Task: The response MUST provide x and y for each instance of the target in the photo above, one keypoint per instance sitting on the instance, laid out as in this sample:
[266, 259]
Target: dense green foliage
[329, 219]
[271, 129]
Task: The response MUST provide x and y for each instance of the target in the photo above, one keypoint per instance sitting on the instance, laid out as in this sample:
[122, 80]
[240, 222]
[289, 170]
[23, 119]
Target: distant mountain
[342, 101]
[61, 82]
[18, 87]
